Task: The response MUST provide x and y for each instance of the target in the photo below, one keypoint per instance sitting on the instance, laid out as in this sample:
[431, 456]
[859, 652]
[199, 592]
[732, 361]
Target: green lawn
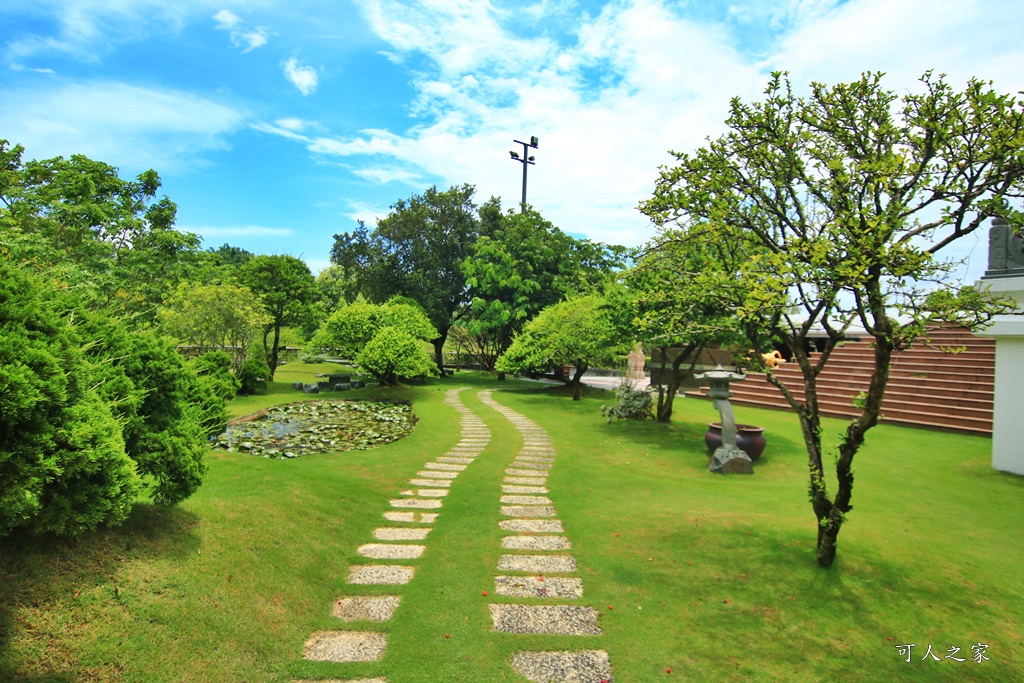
[712, 577]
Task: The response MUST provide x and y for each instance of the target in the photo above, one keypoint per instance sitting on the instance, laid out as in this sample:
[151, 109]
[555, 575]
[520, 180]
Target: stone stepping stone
[526, 500]
[558, 587]
[556, 620]
[513, 472]
[539, 526]
[400, 534]
[536, 543]
[434, 474]
[416, 517]
[527, 511]
[534, 458]
[379, 679]
[426, 493]
[457, 461]
[576, 666]
[415, 503]
[366, 607]
[444, 466]
[537, 564]
[533, 481]
[380, 574]
[431, 482]
[531, 465]
[523, 489]
[388, 551]
[345, 646]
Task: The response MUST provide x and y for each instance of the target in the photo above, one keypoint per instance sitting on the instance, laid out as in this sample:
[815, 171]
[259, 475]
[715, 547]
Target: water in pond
[297, 429]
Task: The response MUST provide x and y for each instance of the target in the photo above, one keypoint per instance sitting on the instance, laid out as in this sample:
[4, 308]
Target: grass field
[711, 577]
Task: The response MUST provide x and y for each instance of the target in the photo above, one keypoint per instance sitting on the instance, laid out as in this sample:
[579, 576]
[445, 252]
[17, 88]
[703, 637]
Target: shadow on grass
[49, 573]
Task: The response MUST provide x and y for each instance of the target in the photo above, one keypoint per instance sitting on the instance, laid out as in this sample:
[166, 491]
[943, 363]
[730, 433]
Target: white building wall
[1008, 399]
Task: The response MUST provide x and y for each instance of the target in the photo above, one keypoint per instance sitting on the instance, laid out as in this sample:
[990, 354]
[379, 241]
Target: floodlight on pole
[525, 160]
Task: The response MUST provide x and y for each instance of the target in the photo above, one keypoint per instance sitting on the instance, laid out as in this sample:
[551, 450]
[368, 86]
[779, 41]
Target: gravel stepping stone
[386, 551]
[564, 620]
[533, 481]
[426, 493]
[444, 466]
[537, 564]
[512, 472]
[431, 482]
[457, 461]
[527, 511]
[366, 607]
[417, 517]
[523, 489]
[345, 646]
[400, 534]
[379, 574]
[434, 474]
[525, 500]
[534, 458]
[531, 465]
[539, 526]
[415, 503]
[559, 587]
[536, 543]
[578, 666]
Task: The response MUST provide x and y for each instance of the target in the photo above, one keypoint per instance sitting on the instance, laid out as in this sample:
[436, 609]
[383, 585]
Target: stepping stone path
[391, 543]
[529, 512]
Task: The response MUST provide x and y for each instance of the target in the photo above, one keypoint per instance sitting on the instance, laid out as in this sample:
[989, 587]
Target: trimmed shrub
[630, 403]
[254, 376]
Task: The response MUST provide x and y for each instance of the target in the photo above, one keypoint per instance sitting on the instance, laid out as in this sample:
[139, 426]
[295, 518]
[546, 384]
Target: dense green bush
[630, 403]
[253, 376]
[63, 463]
[394, 353]
[216, 386]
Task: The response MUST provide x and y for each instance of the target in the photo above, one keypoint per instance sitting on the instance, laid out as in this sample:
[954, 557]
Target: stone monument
[728, 458]
[635, 363]
[1005, 277]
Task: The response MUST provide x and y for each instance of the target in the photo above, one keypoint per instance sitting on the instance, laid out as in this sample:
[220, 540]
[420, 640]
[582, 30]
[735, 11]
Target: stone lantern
[728, 458]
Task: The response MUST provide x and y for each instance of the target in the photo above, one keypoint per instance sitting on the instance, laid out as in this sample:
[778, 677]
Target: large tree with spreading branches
[845, 200]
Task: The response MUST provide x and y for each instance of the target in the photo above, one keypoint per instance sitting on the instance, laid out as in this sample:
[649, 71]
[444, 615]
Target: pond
[297, 429]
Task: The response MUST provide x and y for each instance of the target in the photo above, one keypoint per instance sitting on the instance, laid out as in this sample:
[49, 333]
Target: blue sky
[275, 125]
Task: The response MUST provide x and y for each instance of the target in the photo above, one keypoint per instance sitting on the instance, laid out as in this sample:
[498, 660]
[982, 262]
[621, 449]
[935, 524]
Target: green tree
[226, 317]
[679, 303]
[383, 339]
[286, 288]
[845, 198]
[417, 251]
[77, 221]
[63, 465]
[521, 266]
[577, 332]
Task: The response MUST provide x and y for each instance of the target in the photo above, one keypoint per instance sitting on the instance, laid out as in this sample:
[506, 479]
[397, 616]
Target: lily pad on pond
[298, 429]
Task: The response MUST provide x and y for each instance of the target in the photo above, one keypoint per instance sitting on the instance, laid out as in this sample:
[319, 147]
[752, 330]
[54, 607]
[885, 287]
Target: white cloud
[22, 67]
[227, 20]
[390, 174]
[125, 125]
[249, 38]
[302, 77]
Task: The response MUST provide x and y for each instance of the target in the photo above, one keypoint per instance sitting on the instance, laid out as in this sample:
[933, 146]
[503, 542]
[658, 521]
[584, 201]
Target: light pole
[525, 160]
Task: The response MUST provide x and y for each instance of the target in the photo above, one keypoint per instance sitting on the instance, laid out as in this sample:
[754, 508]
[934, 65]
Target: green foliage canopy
[286, 288]
[576, 332]
[843, 200]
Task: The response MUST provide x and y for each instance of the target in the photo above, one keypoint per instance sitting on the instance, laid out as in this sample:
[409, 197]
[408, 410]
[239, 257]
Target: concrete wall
[1008, 408]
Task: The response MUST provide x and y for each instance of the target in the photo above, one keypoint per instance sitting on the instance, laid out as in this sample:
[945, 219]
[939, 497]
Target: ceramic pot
[749, 439]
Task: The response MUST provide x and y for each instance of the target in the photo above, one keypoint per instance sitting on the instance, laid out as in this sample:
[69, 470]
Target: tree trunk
[665, 406]
[577, 385]
[501, 376]
[439, 350]
[272, 357]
